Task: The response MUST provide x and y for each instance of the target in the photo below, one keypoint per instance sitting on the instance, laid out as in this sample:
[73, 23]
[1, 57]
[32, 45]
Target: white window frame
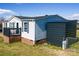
[26, 26]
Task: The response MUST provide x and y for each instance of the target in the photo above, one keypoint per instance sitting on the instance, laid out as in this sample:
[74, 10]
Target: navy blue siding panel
[71, 28]
[55, 33]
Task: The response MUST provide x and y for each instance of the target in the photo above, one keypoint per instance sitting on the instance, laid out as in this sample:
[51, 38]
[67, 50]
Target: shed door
[55, 33]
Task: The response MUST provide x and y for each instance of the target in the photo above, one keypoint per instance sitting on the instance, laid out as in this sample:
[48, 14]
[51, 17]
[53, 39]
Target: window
[5, 25]
[11, 25]
[26, 26]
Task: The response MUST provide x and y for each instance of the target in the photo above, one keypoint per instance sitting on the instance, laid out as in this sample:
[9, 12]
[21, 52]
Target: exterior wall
[15, 20]
[31, 34]
[40, 26]
[40, 31]
[71, 28]
[27, 37]
[2, 27]
[56, 33]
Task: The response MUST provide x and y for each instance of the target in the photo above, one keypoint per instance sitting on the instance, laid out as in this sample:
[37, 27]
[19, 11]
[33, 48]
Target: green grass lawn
[21, 49]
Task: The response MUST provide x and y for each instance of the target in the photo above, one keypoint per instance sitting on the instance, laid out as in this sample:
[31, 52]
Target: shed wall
[55, 33]
[71, 28]
[40, 26]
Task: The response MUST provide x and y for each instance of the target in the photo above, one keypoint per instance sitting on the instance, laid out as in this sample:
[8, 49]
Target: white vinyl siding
[16, 20]
[5, 25]
[31, 34]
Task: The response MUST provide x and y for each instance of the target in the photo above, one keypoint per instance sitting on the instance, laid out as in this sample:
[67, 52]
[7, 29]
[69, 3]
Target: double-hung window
[12, 25]
[26, 26]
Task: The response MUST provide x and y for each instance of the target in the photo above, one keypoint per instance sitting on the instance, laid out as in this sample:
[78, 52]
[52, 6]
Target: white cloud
[73, 16]
[3, 11]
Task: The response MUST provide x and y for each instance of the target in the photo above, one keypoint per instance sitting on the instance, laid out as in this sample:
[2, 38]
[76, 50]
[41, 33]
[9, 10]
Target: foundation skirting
[23, 40]
[6, 39]
[10, 39]
[27, 41]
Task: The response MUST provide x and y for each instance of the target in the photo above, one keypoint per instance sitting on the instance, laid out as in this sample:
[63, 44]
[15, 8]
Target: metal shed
[58, 31]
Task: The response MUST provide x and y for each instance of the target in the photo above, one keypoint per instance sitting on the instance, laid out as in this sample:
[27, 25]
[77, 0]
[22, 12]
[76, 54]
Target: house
[0, 26]
[29, 30]
[1, 21]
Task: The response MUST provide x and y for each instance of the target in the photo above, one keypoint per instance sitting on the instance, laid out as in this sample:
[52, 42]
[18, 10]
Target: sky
[66, 10]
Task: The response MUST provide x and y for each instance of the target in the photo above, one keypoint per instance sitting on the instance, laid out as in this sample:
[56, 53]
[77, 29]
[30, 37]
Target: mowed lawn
[21, 49]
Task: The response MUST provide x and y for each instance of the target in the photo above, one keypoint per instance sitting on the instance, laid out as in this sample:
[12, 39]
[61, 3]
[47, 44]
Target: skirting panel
[27, 41]
[11, 39]
[6, 39]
